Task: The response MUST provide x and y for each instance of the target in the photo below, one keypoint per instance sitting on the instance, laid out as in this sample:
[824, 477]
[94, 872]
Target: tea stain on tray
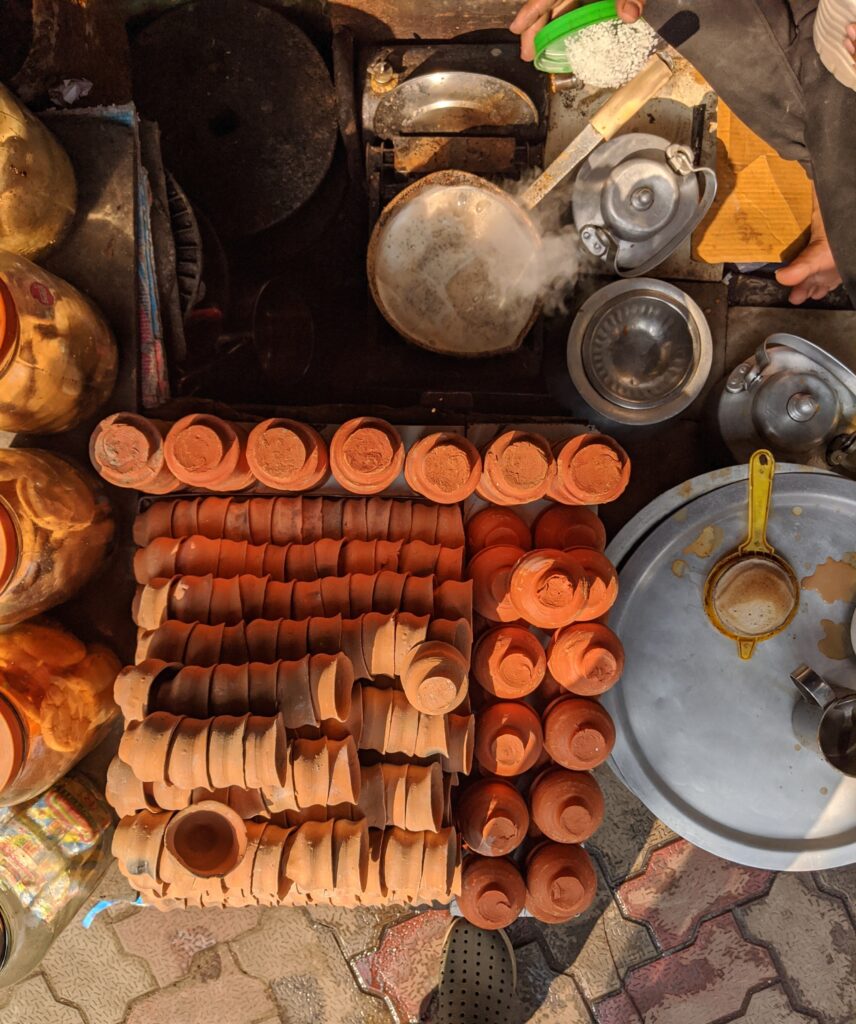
[706, 543]
[835, 644]
[834, 580]
[679, 567]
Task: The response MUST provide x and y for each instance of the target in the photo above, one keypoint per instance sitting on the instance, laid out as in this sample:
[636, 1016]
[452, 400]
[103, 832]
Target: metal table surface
[724, 751]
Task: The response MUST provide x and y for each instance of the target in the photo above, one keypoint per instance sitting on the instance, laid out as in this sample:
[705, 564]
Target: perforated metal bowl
[639, 351]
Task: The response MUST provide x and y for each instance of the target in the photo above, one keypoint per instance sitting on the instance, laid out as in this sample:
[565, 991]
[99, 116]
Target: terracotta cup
[145, 745]
[423, 798]
[602, 579]
[518, 468]
[497, 526]
[435, 677]
[508, 738]
[509, 662]
[128, 451]
[287, 456]
[441, 866]
[460, 743]
[569, 526]
[492, 817]
[443, 467]
[493, 892]
[125, 793]
[205, 451]
[490, 570]
[592, 469]
[578, 733]
[402, 862]
[366, 455]
[208, 839]
[586, 658]
[548, 588]
[567, 806]
[560, 882]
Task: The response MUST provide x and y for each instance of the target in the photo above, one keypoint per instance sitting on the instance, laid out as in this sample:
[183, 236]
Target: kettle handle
[708, 194]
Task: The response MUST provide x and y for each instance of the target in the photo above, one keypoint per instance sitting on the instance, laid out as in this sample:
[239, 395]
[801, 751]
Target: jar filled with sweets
[55, 529]
[58, 357]
[56, 704]
[53, 852]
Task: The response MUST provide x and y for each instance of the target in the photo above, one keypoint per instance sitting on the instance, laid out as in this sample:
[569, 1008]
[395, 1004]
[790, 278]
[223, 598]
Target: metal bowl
[639, 351]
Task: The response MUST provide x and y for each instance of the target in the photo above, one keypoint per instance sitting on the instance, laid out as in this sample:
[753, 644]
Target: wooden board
[425, 19]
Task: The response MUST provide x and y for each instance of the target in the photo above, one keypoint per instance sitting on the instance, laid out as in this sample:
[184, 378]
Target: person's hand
[535, 14]
[850, 41]
[813, 273]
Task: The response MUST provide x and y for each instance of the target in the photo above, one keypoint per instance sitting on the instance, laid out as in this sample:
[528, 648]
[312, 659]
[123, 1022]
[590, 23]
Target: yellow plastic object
[752, 594]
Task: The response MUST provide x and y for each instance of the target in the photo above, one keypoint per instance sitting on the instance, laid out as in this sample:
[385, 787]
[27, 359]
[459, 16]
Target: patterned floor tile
[629, 831]
[215, 991]
[358, 930]
[771, 1006]
[308, 976]
[842, 882]
[812, 938]
[702, 983]
[31, 1002]
[406, 967]
[600, 946]
[546, 997]
[682, 885]
[88, 968]
[168, 942]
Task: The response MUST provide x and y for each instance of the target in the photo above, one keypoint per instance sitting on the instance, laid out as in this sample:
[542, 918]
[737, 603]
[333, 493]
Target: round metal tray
[725, 751]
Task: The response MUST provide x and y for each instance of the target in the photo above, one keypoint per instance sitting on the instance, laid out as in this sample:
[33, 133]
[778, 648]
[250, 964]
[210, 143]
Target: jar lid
[12, 743]
[8, 321]
[550, 53]
[10, 548]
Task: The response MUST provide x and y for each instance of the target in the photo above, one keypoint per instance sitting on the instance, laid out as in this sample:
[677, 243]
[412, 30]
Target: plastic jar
[53, 851]
[38, 194]
[56, 703]
[55, 529]
[830, 30]
[58, 357]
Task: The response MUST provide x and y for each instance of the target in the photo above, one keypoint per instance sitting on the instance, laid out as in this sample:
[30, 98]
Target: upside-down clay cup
[578, 733]
[492, 817]
[586, 658]
[206, 451]
[490, 570]
[602, 579]
[508, 738]
[492, 526]
[287, 456]
[443, 467]
[492, 892]
[560, 882]
[128, 451]
[518, 468]
[366, 455]
[509, 662]
[569, 526]
[567, 806]
[548, 588]
[592, 469]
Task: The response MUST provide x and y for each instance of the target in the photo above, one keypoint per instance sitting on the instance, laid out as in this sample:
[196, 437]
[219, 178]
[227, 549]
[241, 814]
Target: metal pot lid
[636, 198]
[725, 751]
[639, 351]
[794, 398]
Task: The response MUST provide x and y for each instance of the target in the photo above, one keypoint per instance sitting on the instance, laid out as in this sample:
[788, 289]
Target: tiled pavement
[676, 936]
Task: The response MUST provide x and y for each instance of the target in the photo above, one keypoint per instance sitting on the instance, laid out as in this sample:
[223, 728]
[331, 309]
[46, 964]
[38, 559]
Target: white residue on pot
[610, 53]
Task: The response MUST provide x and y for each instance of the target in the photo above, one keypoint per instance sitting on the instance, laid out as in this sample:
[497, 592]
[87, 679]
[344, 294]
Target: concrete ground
[676, 936]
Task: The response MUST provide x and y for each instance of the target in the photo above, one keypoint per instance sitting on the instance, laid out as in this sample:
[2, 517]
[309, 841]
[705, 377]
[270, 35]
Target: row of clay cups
[249, 751]
[301, 520]
[208, 849]
[494, 818]
[305, 692]
[557, 884]
[212, 600]
[165, 557]
[585, 658]
[408, 796]
[520, 467]
[431, 656]
[511, 738]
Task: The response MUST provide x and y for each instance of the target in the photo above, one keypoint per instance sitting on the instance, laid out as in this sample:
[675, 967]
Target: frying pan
[453, 261]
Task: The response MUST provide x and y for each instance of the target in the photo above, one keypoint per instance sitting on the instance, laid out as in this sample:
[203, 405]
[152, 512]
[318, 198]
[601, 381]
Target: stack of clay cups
[563, 804]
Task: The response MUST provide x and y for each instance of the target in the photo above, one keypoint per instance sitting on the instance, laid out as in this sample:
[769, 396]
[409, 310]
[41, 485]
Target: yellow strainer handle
[762, 468]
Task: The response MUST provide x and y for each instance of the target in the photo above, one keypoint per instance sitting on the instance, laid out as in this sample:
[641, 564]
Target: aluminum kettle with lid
[637, 198]
[796, 399]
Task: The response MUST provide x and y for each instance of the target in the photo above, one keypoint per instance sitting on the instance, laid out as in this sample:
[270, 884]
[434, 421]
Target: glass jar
[56, 704]
[38, 194]
[58, 357]
[53, 851]
[55, 529]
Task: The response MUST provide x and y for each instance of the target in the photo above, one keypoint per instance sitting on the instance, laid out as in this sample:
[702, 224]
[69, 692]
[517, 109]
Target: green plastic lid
[550, 53]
